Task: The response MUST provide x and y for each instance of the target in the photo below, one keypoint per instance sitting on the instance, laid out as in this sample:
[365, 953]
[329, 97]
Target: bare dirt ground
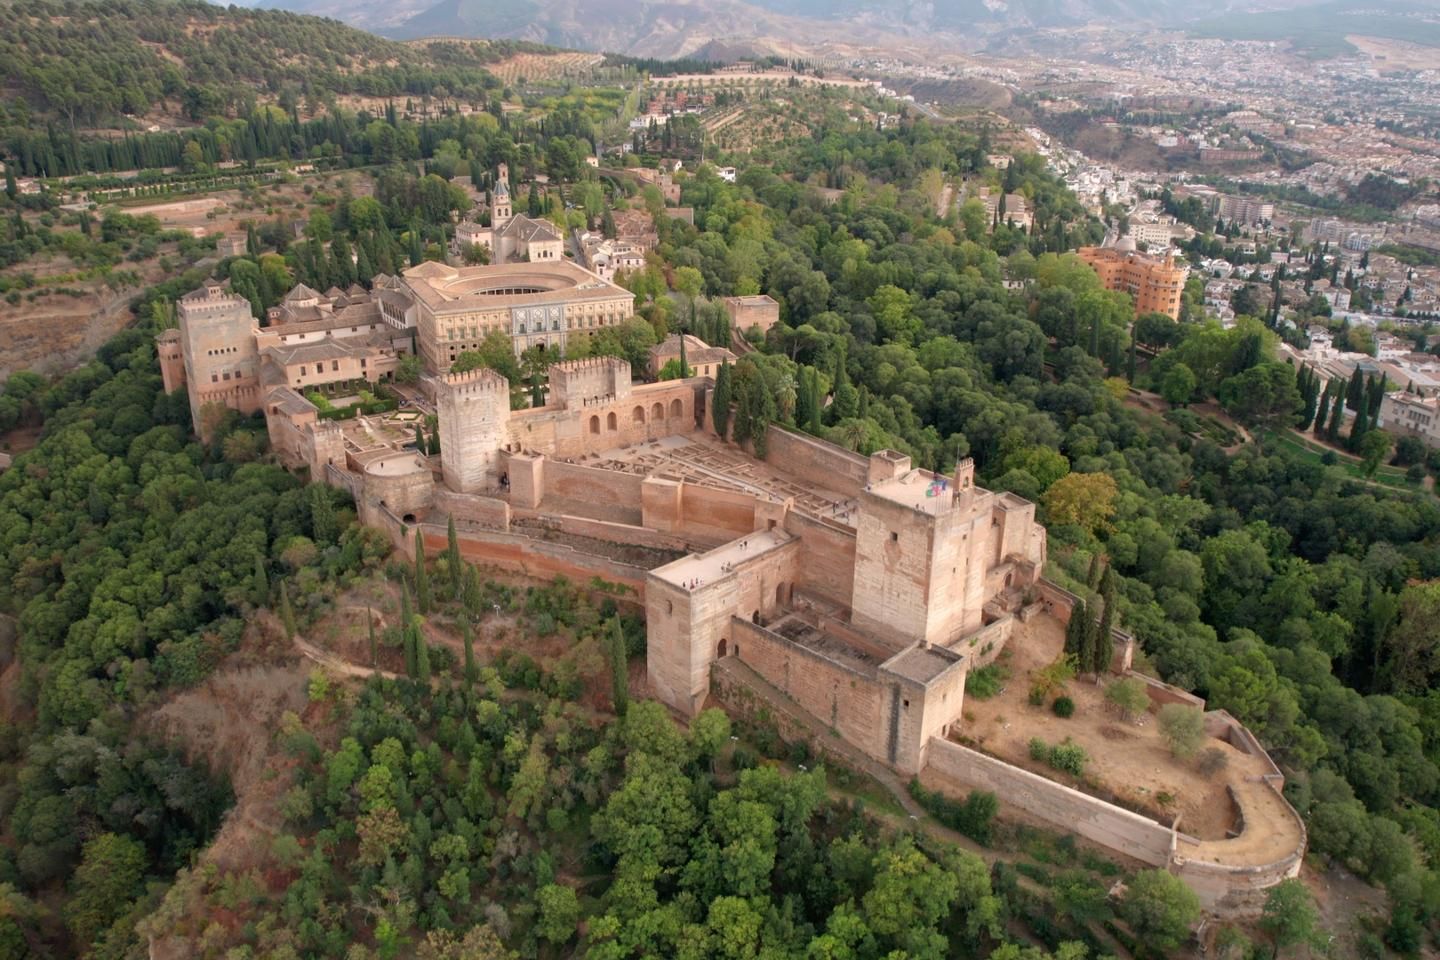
[1129, 760]
[1394, 56]
[230, 722]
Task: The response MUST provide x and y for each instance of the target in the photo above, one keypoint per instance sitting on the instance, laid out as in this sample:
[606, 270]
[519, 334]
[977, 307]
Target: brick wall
[1069, 810]
[845, 699]
[618, 493]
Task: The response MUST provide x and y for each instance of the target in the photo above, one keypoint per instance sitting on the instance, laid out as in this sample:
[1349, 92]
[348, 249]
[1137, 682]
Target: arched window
[610, 422]
[657, 412]
[595, 424]
[676, 408]
[638, 415]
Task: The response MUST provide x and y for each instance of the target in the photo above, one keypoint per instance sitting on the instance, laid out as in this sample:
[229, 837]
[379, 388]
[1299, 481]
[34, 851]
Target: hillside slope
[676, 28]
[90, 63]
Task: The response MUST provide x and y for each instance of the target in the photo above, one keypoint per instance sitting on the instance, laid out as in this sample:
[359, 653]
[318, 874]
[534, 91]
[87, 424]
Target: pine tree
[722, 400]
[619, 668]
[467, 635]
[422, 578]
[452, 560]
[287, 615]
[374, 647]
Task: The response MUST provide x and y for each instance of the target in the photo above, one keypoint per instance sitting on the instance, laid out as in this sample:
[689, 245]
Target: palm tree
[853, 434]
[785, 396]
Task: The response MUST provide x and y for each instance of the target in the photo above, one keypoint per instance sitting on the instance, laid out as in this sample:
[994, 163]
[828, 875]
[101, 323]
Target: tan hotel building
[1155, 284]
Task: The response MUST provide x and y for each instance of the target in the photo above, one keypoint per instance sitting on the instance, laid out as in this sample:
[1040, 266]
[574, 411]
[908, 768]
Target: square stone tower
[596, 380]
[925, 544]
[217, 340]
[474, 410]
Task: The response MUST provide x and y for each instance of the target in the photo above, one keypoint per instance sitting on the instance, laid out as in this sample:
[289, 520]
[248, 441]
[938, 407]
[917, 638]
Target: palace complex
[859, 592]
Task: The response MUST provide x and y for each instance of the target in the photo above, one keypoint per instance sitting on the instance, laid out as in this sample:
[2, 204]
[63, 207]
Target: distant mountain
[672, 28]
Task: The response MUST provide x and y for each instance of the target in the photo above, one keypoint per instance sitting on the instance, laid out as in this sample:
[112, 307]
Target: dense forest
[88, 64]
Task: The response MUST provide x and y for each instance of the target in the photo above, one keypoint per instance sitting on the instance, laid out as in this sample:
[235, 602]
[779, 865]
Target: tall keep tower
[474, 411]
[217, 340]
[931, 550]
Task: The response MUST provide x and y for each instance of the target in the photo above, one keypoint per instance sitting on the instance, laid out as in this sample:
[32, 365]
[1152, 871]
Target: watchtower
[217, 340]
[474, 411]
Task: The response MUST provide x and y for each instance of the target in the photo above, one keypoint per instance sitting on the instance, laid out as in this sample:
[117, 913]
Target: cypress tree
[1104, 650]
[1377, 395]
[619, 668]
[1075, 629]
[1361, 423]
[1089, 637]
[374, 647]
[407, 634]
[260, 582]
[452, 560]
[434, 446]
[422, 578]
[420, 439]
[1130, 364]
[1337, 415]
[417, 251]
[287, 615]
[472, 591]
[1355, 390]
[422, 657]
[252, 240]
[722, 400]
[467, 635]
[1322, 410]
[1092, 578]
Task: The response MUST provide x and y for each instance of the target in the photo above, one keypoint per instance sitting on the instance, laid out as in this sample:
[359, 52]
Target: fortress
[857, 593]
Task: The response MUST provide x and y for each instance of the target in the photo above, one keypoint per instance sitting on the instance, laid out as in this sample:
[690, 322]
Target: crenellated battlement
[606, 364]
[482, 380]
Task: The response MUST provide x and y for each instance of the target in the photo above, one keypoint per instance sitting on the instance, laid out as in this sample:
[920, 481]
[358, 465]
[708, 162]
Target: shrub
[1069, 758]
[986, 682]
[1063, 707]
[1128, 696]
[1037, 696]
[1212, 761]
[971, 816]
[1039, 750]
[1183, 728]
